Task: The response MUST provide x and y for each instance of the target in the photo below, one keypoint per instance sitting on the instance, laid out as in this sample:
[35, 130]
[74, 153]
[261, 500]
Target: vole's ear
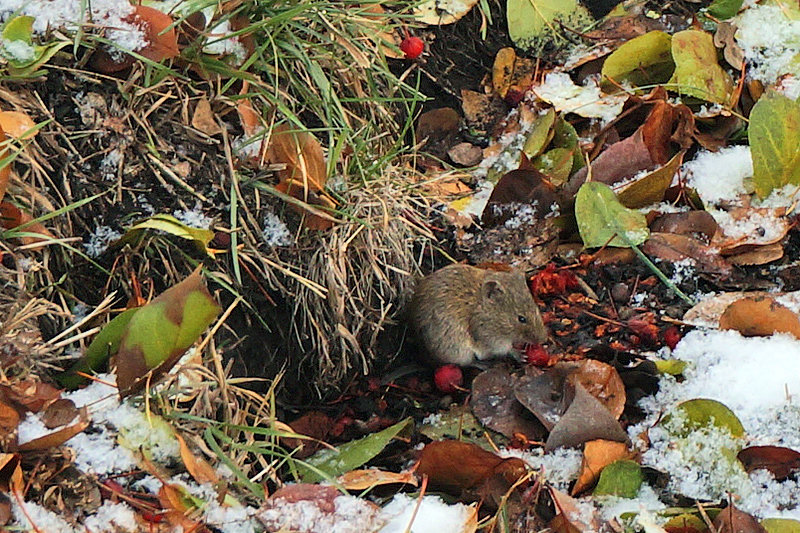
[491, 289]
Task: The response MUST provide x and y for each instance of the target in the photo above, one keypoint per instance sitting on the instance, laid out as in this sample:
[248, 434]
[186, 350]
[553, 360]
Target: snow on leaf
[531, 23]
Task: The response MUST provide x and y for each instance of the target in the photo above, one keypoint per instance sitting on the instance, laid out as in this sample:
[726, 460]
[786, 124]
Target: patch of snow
[275, 233]
[770, 40]
[112, 518]
[100, 239]
[350, 515]
[37, 518]
[220, 42]
[614, 506]
[560, 467]
[194, 218]
[18, 50]
[432, 516]
[719, 176]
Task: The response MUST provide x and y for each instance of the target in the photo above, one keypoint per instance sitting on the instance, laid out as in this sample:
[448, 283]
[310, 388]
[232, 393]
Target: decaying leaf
[494, 403]
[532, 23]
[302, 155]
[158, 333]
[59, 413]
[733, 520]
[204, 119]
[602, 381]
[17, 125]
[586, 419]
[10, 473]
[697, 72]
[673, 248]
[760, 315]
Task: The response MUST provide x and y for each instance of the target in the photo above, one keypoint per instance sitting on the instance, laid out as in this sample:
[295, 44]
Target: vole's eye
[522, 319]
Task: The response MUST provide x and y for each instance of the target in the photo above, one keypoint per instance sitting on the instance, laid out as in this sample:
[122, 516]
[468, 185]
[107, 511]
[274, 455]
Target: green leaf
[672, 367]
[781, 525]
[42, 54]
[697, 72]
[644, 60]
[103, 346]
[540, 135]
[724, 9]
[556, 164]
[601, 216]
[621, 478]
[331, 463]
[774, 136]
[532, 23]
[172, 226]
[702, 413]
[161, 331]
[565, 136]
[19, 29]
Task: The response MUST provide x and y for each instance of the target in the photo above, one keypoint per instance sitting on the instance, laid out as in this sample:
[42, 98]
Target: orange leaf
[11, 217]
[760, 315]
[597, 454]
[201, 471]
[15, 124]
[10, 472]
[160, 45]
[366, 479]
[302, 154]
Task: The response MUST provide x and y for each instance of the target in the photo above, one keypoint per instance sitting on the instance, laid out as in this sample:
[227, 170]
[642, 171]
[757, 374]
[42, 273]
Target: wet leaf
[603, 220]
[103, 346]
[621, 478]
[332, 463]
[367, 479]
[782, 462]
[781, 525]
[701, 413]
[533, 21]
[760, 315]
[597, 454]
[650, 188]
[586, 419]
[644, 60]
[172, 226]
[160, 332]
[697, 72]
[774, 135]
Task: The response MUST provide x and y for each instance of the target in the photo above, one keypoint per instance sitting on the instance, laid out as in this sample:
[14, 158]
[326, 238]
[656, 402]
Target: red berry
[672, 335]
[412, 47]
[536, 355]
[448, 378]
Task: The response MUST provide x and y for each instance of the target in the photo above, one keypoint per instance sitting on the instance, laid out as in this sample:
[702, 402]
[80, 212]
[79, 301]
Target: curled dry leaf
[10, 473]
[760, 315]
[162, 42]
[57, 438]
[602, 381]
[586, 419]
[597, 454]
[301, 154]
[366, 479]
[673, 248]
[198, 468]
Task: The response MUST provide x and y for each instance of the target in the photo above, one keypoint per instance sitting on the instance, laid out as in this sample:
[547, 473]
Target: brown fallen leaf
[515, 189]
[29, 395]
[673, 247]
[760, 316]
[503, 70]
[454, 466]
[314, 424]
[585, 419]
[437, 124]
[732, 520]
[366, 479]
[198, 468]
[59, 413]
[602, 381]
[17, 124]
[571, 517]
[204, 119]
[10, 473]
[781, 462]
[5, 510]
[12, 217]
[543, 394]
[57, 438]
[465, 154]
[494, 404]
[698, 224]
[760, 255]
[301, 154]
[597, 454]
[9, 421]
[162, 42]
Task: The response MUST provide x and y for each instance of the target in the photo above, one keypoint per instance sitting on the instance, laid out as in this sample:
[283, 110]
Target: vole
[464, 315]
